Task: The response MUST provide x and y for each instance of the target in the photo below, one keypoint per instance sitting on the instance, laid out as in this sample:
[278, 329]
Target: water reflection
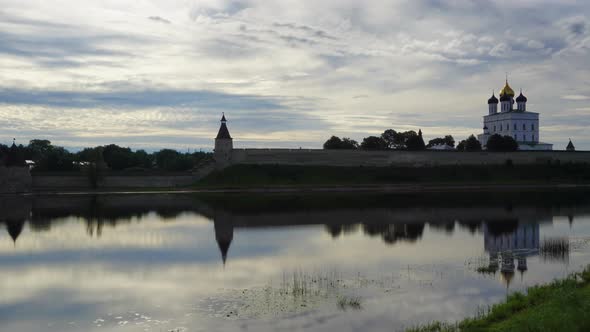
[506, 227]
[415, 243]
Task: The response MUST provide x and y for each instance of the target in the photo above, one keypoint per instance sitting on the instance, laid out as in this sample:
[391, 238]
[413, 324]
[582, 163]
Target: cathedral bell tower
[223, 145]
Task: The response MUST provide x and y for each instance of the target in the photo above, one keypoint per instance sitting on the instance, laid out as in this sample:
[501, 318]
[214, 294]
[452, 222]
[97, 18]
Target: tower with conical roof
[570, 146]
[223, 145]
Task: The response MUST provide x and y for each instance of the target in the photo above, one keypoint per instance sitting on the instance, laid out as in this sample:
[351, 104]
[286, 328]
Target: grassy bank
[286, 175]
[563, 305]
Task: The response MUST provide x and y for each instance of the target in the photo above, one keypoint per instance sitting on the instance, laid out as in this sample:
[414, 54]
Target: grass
[290, 175]
[563, 305]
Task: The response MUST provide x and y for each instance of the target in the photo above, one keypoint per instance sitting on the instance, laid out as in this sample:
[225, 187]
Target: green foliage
[172, 160]
[373, 143]
[97, 160]
[402, 140]
[336, 143]
[562, 305]
[469, 145]
[498, 143]
[56, 159]
[38, 149]
[394, 139]
[447, 140]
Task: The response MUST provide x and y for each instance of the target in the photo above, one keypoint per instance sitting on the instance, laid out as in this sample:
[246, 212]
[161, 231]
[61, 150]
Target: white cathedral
[518, 123]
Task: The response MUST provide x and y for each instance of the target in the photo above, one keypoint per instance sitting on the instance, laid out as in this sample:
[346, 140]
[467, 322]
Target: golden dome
[507, 90]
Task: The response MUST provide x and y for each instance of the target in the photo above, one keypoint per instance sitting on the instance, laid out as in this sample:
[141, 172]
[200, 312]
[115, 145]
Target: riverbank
[296, 189]
[562, 305]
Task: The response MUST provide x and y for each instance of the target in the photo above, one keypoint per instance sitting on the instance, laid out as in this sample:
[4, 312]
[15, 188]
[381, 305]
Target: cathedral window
[532, 126]
[515, 126]
[523, 126]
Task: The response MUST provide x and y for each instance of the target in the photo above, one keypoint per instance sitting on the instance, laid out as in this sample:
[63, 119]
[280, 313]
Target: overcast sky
[152, 74]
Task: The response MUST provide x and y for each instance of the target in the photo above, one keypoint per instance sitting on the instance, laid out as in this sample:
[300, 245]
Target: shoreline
[385, 188]
[560, 305]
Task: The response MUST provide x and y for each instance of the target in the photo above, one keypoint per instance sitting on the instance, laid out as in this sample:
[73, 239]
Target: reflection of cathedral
[505, 244]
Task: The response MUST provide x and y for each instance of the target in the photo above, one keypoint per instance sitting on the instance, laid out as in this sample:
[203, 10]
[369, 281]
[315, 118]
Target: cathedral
[517, 122]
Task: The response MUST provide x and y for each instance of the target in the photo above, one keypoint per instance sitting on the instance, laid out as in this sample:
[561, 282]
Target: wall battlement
[354, 158]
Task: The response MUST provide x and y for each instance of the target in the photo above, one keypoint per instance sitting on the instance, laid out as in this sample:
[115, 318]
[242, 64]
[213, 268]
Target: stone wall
[81, 182]
[400, 158]
[14, 180]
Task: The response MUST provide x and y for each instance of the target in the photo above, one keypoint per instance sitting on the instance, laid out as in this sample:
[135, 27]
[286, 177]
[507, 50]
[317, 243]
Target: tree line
[412, 141]
[48, 157]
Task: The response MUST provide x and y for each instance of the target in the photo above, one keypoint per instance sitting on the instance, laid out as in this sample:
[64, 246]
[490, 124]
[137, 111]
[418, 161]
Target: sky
[153, 74]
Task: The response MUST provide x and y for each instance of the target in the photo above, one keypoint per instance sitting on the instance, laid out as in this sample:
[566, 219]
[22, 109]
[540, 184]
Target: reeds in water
[555, 248]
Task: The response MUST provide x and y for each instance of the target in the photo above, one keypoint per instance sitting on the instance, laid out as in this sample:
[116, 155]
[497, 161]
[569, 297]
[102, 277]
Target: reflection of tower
[224, 233]
[507, 269]
[14, 228]
[522, 265]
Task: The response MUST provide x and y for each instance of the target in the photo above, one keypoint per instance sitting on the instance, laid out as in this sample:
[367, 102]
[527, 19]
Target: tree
[336, 143]
[393, 139]
[373, 143]
[56, 159]
[472, 144]
[469, 145]
[415, 142]
[497, 143]
[349, 144]
[447, 140]
[38, 149]
[461, 146]
[333, 142]
[172, 160]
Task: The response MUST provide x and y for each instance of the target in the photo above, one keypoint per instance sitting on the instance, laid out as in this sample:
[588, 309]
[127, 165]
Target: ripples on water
[282, 262]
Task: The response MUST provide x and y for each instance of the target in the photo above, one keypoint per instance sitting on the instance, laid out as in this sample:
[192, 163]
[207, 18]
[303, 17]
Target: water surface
[341, 262]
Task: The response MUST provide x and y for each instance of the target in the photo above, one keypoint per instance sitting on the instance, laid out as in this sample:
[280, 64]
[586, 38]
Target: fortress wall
[81, 182]
[14, 180]
[354, 158]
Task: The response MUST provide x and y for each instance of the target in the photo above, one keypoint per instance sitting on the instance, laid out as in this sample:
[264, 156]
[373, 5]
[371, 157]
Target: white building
[518, 123]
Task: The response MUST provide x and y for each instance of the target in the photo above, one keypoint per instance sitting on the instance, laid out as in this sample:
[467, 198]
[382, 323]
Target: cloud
[159, 19]
[138, 99]
[575, 97]
[293, 72]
